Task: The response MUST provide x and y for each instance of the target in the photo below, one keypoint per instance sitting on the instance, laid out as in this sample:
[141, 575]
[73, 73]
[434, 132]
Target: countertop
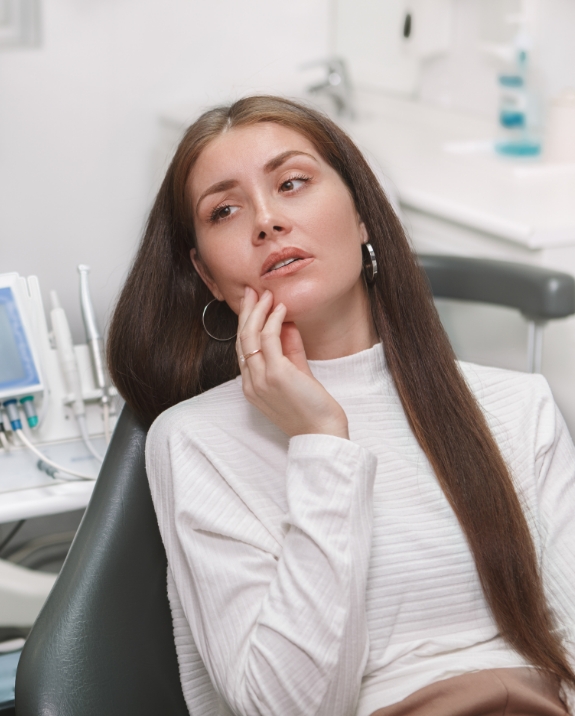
[26, 491]
[442, 163]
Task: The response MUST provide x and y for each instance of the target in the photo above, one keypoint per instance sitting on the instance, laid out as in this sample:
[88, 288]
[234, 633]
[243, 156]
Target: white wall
[78, 119]
[466, 79]
[557, 49]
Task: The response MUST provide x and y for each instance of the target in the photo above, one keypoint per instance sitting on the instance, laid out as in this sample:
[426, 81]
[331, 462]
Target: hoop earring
[211, 335]
[369, 263]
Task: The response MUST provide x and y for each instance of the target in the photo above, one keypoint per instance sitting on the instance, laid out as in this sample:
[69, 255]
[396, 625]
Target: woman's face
[270, 213]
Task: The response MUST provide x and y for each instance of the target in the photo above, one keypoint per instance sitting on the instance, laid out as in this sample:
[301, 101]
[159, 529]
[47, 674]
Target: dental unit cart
[56, 413]
[54, 404]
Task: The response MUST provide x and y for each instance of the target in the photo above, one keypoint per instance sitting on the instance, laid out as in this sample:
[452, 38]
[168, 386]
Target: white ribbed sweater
[330, 577]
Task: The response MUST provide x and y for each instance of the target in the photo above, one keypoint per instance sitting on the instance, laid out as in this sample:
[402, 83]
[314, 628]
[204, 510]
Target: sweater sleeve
[281, 628]
[555, 470]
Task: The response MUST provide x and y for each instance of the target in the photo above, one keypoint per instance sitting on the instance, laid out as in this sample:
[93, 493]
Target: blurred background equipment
[67, 383]
[49, 455]
[19, 24]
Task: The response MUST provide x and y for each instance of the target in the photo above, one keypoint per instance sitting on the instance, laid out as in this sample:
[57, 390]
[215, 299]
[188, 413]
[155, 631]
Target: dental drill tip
[54, 300]
[83, 268]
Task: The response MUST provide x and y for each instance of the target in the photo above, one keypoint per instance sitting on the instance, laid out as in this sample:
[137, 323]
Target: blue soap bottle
[518, 130]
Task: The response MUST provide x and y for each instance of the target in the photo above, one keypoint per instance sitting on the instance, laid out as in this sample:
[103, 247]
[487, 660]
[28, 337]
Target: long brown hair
[159, 355]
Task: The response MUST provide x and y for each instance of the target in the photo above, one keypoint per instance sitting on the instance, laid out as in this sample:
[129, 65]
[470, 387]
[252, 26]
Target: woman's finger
[247, 384]
[254, 322]
[247, 304]
[251, 360]
[281, 341]
[270, 336]
[292, 347]
[246, 307]
[266, 362]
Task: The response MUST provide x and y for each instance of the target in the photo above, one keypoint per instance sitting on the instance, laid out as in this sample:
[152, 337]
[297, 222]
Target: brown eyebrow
[268, 167]
[216, 188]
[283, 157]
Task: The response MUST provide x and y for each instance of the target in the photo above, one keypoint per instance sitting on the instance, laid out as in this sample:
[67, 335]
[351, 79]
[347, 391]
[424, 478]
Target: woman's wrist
[337, 428]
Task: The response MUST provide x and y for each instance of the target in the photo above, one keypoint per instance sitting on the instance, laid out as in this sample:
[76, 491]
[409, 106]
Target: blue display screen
[17, 367]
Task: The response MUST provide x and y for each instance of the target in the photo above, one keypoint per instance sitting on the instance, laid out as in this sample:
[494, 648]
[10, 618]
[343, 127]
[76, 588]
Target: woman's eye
[221, 212]
[293, 183]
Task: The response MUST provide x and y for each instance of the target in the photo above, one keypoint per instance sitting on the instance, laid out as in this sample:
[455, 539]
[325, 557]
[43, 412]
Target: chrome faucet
[337, 85]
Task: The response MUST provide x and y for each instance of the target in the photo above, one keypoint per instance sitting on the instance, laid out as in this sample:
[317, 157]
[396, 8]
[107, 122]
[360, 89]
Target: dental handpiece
[65, 348]
[93, 337]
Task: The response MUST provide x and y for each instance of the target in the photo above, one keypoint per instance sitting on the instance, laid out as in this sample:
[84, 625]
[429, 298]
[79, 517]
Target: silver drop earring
[211, 335]
[369, 263]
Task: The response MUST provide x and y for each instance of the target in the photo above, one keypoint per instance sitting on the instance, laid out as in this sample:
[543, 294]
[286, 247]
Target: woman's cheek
[234, 305]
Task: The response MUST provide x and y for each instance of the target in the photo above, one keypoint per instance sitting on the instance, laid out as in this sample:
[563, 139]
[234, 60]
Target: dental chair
[540, 294]
[103, 642]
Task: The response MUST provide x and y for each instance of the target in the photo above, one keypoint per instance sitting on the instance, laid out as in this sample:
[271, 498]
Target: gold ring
[244, 357]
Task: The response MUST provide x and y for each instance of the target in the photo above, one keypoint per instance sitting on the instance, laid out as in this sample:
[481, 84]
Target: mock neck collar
[354, 374]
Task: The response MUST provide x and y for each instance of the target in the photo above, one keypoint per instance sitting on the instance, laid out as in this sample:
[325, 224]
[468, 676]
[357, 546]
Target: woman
[354, 523]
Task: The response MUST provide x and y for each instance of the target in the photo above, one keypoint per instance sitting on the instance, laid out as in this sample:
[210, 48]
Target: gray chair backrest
[103, 642]
[540, 294]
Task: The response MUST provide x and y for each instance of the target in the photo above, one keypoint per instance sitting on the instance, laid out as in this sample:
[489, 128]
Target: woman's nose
[269, 222]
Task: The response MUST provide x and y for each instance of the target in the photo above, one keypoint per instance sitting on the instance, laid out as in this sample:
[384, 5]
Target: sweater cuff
[330, 447]
[326, 462]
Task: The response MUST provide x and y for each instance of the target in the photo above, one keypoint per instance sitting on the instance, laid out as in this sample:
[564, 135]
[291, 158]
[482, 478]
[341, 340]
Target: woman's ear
[363, 233]
[205, 275]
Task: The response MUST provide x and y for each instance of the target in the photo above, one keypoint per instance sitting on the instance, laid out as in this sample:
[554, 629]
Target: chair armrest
[540, 294]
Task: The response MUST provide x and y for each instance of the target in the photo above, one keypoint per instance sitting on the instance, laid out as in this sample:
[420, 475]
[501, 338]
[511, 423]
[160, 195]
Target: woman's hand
[278, 380]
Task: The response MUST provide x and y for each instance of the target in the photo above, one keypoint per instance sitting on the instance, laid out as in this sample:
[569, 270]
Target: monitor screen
[17, 368]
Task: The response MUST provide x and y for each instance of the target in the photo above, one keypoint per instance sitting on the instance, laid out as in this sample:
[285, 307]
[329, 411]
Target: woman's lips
[288, 269]
[282, 255]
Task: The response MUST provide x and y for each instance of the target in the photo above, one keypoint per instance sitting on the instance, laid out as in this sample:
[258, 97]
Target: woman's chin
[300, 299]
[301, 312]
[295, 305]
[310, 302]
